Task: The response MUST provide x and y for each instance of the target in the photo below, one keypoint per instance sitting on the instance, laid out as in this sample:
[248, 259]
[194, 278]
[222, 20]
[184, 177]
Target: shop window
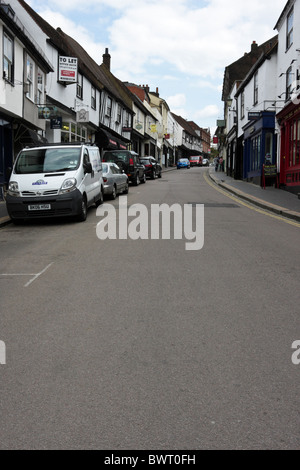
[255, 153]
[294, 157]
[71, 132]
[269, 143]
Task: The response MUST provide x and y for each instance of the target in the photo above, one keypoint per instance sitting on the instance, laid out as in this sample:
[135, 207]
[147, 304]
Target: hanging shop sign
[56, 123]
[67, 69]
[47, 112]
[82, 115]
[253, 116]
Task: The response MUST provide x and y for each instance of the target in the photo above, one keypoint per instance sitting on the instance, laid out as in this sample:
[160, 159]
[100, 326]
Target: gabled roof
[99, 75]
[284, 12]
[257, 65]
[185, 125]
[67, 46]
[9, 19]
[136, 98]
[240, 68]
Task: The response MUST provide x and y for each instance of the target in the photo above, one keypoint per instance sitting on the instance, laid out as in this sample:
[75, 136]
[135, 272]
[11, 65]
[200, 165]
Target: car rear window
[114, 157]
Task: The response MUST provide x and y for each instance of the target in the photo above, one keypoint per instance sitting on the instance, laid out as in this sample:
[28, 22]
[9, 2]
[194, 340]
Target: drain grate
[214, 204]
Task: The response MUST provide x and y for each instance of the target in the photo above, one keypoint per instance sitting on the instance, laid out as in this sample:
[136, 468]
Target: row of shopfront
[15, 135]
[269, 138]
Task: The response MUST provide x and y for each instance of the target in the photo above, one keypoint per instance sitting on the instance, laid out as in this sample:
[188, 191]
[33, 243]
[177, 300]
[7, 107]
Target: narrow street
[140, 344]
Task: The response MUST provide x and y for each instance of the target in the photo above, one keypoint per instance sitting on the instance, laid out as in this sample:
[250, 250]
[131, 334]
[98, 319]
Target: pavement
[276, 200]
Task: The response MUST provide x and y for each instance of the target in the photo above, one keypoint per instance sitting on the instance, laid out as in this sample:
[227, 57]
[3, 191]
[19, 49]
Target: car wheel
[136, 180]
[126, 190]
[114, 193]
[153, 175]
[83, 210]
[144, 178]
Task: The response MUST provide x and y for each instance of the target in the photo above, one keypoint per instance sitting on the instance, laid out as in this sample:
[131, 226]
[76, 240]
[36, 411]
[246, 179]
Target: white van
[55, 180]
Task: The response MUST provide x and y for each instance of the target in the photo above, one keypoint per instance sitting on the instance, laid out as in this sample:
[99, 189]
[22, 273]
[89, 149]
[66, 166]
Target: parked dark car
[115, 181]
[129, 161]
[152, 167]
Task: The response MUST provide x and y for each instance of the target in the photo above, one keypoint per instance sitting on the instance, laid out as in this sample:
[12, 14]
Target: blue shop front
[259, 142]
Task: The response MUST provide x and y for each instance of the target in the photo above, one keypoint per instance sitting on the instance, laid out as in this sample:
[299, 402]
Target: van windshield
[48, 160]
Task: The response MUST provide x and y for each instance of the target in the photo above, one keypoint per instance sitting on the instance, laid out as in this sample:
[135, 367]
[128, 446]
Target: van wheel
[100, 200]
[83, 210]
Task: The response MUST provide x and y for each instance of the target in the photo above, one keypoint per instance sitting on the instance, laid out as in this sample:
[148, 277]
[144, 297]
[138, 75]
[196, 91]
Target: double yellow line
[249, 205]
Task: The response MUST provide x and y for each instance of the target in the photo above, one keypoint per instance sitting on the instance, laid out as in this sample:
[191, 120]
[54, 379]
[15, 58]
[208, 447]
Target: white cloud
[209, 111]
[187, 43]
[198, 38]
[176, 101]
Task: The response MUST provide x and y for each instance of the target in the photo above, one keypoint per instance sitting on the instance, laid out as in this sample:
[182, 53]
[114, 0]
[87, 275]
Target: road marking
[249, 205]
[35, 276]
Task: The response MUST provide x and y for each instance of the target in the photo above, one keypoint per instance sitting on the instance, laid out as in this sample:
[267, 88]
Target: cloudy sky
[180, 47]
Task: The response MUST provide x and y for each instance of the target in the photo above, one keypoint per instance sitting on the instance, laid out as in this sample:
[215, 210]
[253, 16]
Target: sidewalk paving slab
[276, 200]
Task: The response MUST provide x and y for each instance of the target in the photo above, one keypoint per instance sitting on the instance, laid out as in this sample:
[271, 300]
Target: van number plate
[39, 207]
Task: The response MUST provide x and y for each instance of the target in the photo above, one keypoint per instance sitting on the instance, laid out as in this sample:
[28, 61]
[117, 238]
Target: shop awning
[108, 141]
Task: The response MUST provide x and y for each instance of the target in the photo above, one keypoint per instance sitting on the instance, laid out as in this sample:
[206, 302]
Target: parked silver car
[115, 180]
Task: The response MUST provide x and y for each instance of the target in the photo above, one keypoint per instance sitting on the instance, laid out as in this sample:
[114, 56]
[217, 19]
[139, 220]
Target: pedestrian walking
[217, 163]
[221, 164]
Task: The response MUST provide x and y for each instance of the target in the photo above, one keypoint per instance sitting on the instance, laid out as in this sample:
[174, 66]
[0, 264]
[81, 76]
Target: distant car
[115, 180]
[183, 163]
[205, 162]
[129, 161]
[152, 167]
[196, 160]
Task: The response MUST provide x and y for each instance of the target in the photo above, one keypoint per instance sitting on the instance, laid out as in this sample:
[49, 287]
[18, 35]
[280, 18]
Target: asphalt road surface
[142, 344]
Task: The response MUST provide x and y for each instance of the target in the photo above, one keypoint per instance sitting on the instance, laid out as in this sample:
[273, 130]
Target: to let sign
[67, 69]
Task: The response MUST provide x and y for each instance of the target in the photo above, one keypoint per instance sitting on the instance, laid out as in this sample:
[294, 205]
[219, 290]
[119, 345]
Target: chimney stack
[254, 46]
[106, 58]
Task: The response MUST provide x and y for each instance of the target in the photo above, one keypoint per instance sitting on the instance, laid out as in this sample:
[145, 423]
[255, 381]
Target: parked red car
[196, 160]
